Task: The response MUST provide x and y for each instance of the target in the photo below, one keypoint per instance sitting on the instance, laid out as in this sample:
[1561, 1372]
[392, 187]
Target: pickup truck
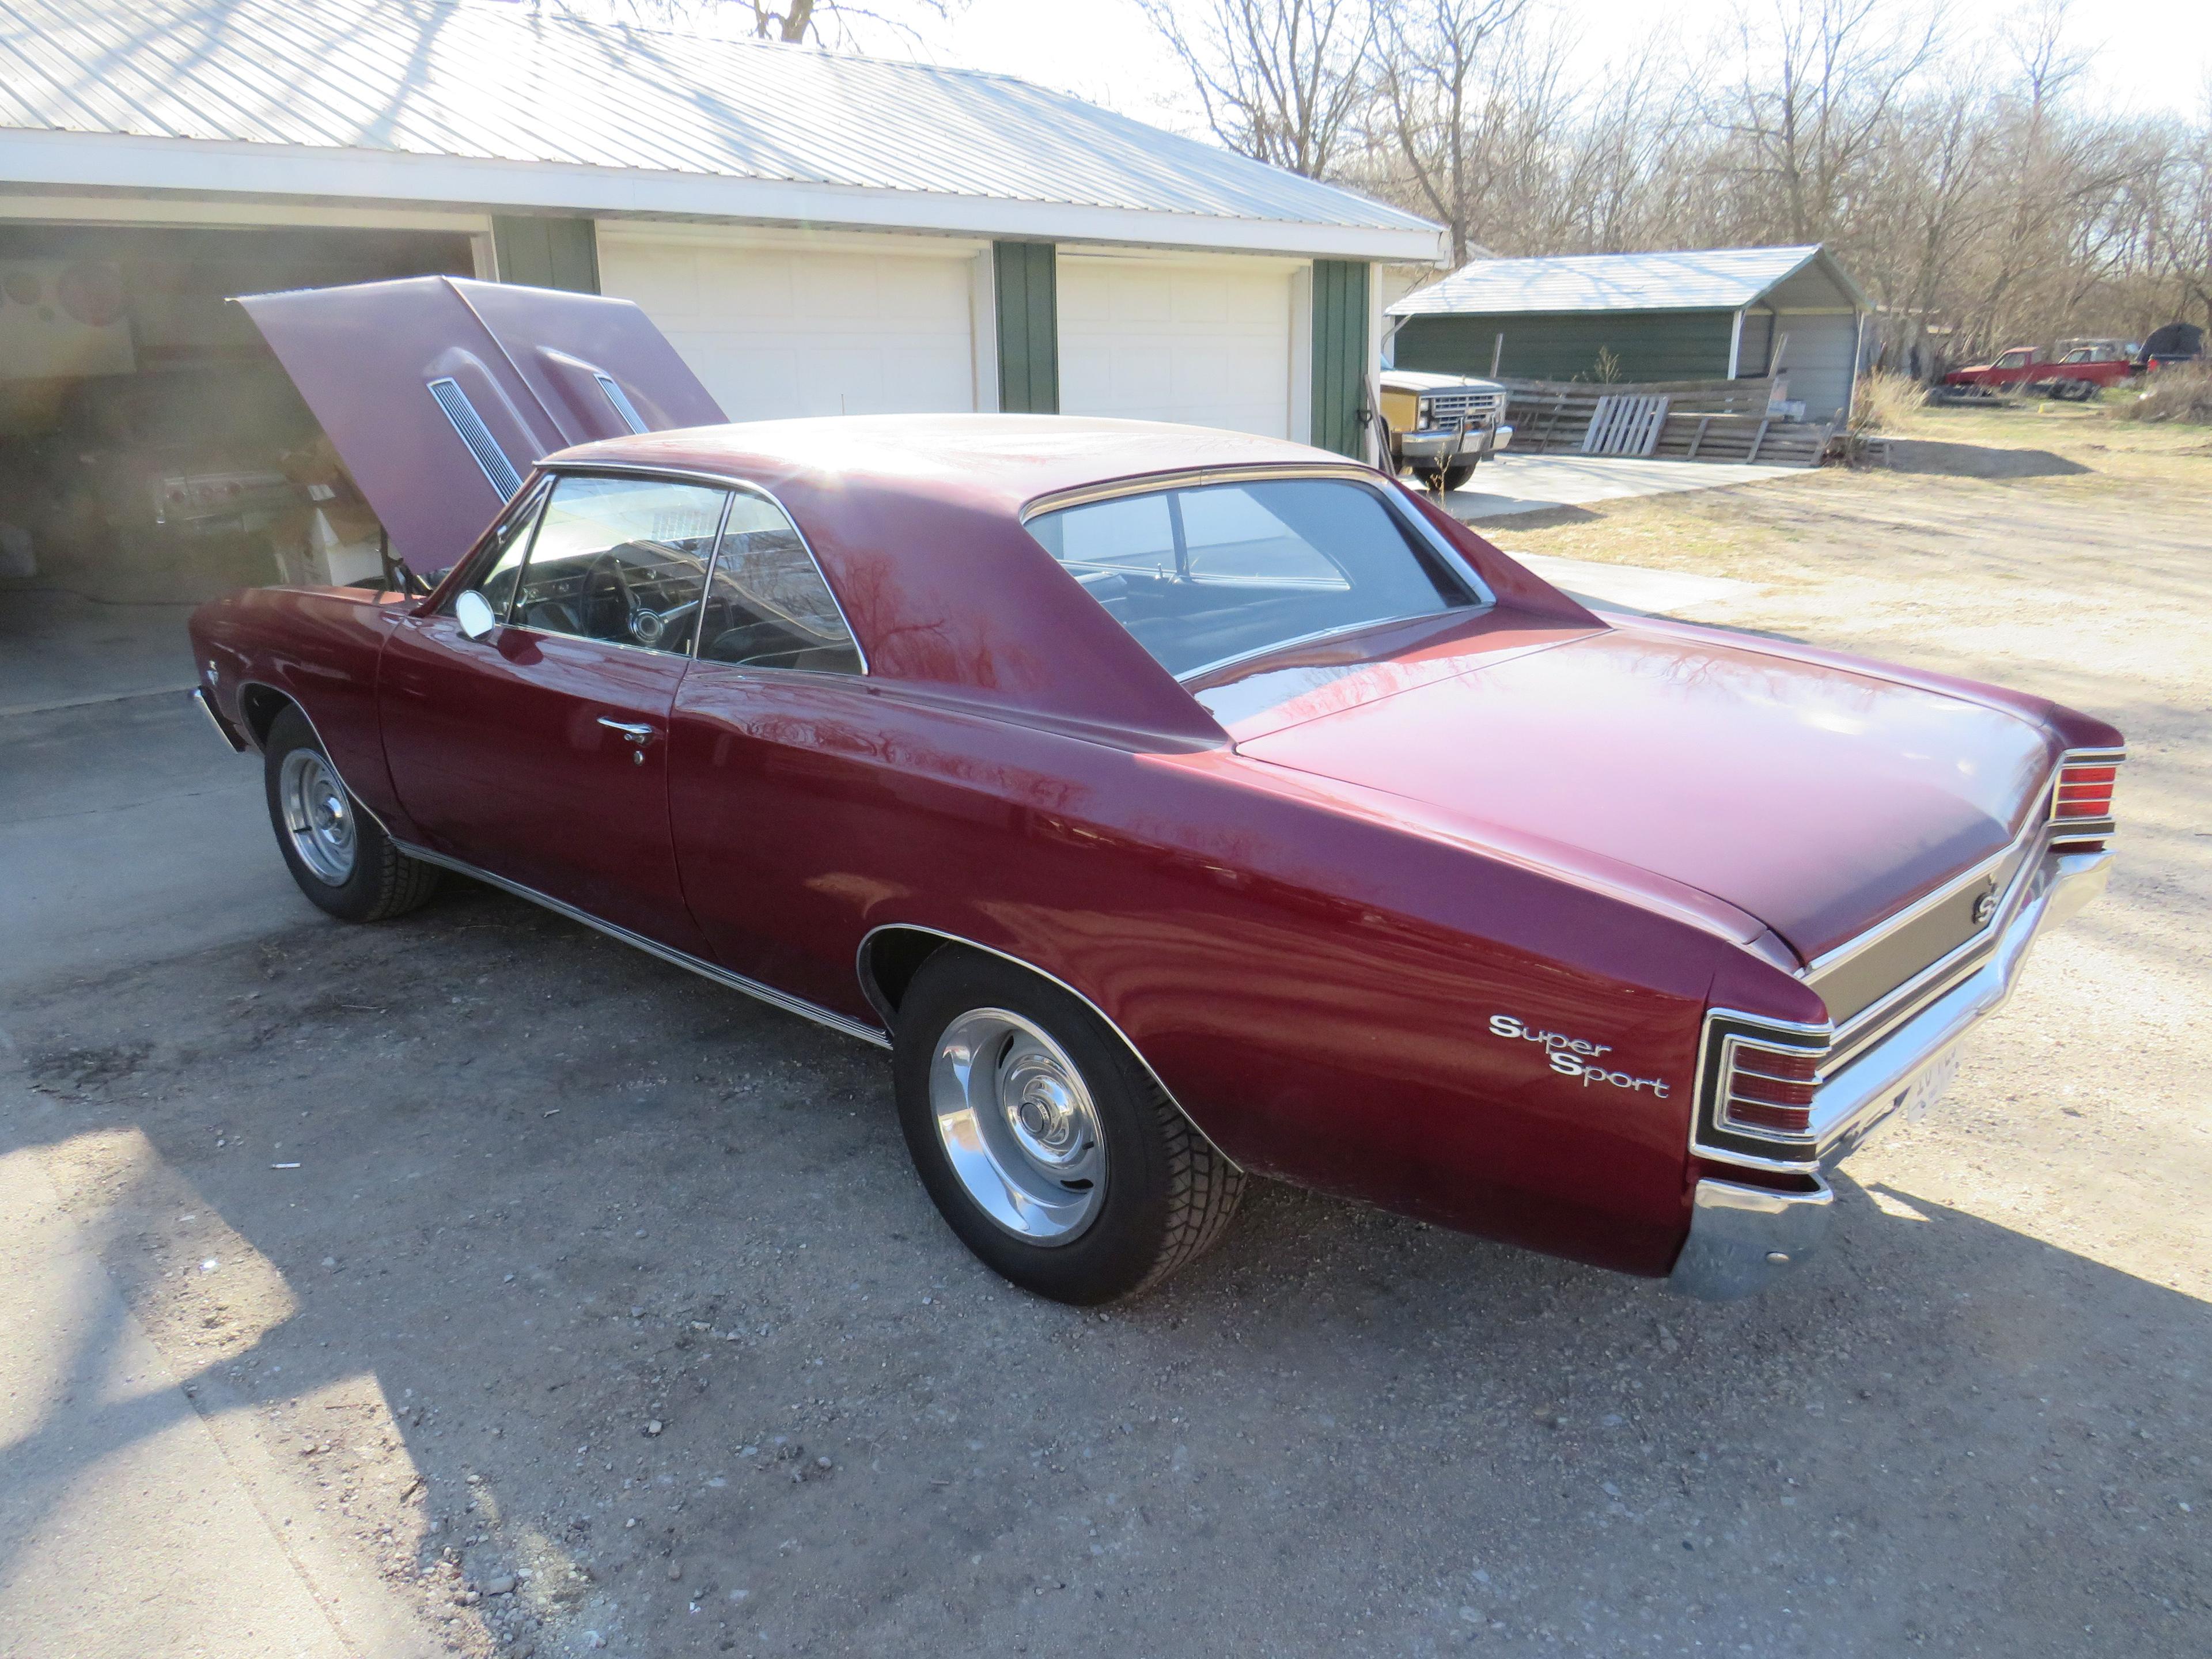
[2077, 374]
[1442, 425]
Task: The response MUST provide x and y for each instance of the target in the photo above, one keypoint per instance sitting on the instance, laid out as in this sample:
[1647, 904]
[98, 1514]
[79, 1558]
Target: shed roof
[1706, 279]
[466, 100]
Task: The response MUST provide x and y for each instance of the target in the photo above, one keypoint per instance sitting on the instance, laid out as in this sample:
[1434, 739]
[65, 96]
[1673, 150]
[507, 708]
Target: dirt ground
[598, 1309]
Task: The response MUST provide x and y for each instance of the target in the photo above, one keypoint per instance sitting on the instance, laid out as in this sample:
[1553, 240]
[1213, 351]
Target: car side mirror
[474, 613]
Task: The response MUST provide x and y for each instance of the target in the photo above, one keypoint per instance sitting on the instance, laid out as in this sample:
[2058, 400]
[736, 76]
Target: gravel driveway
[594, 1308]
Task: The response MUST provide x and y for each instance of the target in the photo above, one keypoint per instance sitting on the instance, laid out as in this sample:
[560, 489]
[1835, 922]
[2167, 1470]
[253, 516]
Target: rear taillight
[1767, 1091]
[2082, 804]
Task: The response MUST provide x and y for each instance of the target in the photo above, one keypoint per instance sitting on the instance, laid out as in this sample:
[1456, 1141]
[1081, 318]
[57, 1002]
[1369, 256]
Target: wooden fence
[1669, 420]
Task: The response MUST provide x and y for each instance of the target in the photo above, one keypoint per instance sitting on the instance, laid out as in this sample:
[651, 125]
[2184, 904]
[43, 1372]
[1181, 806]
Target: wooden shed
[1716, 314]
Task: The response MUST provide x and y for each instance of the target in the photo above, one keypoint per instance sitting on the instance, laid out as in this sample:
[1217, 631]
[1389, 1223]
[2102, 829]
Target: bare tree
[1817, 82]
[1440, 100]
[1280, 81]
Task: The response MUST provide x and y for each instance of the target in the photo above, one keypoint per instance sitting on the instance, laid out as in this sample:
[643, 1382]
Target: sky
[2149, 55]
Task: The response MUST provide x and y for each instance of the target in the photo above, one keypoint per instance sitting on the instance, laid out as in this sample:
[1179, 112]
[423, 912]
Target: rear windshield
[1206, 575]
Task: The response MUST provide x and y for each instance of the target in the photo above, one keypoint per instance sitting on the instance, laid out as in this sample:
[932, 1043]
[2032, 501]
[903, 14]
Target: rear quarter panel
[1313, 984]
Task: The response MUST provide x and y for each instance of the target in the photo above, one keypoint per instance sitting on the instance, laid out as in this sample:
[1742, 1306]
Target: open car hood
[1817, 799]
[440, 394]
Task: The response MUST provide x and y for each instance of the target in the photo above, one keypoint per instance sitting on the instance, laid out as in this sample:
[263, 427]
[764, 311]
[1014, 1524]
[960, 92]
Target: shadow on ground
[1956, 460]
[653, 1308]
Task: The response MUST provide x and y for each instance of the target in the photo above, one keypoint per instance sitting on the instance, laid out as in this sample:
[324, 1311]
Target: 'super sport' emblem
[1575, 1057]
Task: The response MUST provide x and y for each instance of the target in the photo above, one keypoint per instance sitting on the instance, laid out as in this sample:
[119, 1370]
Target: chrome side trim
[877, 1001]
[1743, 1237]
[231, 739]
[722, 976]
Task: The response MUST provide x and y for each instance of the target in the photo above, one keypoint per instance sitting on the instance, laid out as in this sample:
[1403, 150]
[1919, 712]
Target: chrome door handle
[637, 734]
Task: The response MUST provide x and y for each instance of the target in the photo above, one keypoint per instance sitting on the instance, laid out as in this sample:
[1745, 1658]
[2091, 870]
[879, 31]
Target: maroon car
[1173, 805]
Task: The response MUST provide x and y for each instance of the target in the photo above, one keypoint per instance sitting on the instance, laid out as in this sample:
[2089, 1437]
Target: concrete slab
[1534, 483]
[1636, 588]
[127, 830]
[58, 649]
[124, 1529]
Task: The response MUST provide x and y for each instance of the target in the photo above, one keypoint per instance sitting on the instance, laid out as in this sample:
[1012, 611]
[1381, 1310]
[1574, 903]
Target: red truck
[2078, 374]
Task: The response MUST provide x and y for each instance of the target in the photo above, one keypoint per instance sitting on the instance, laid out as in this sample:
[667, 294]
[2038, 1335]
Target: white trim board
[122, 162]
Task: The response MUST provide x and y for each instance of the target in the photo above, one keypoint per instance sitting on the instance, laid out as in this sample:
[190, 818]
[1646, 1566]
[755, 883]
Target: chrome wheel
[317, 816]
[1018, 1125]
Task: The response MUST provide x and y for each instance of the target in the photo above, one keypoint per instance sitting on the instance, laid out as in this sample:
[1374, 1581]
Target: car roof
[1002, 460]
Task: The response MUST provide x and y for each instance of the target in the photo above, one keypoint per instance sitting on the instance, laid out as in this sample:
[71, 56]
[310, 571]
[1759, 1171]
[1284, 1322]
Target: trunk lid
[1817, 800]
[440, 394]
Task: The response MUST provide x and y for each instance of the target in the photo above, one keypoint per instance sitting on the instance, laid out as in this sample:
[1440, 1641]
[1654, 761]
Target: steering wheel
[643, 623]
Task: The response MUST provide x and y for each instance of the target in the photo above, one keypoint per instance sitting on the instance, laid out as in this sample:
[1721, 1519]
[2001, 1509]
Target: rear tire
[338, 854]
[1043, 1141]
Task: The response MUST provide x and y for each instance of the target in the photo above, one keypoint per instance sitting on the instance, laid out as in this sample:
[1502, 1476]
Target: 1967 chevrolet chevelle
[1173, 805]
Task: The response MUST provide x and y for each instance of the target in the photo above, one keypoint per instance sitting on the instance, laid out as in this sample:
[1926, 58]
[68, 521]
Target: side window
[623, 560]
[766, 605]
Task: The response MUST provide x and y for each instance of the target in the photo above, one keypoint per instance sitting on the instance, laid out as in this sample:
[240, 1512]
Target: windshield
[1205, 575]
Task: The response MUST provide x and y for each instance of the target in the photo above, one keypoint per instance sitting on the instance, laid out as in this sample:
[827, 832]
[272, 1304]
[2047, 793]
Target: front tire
[1043, 1141]
[338, 854]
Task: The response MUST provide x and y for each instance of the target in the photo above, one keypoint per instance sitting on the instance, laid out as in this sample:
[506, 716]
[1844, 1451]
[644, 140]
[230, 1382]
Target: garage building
[1718, 313]
[816, 234]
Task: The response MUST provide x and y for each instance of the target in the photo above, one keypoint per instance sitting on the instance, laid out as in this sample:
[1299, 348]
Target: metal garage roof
[432, 81]
[1711, 279]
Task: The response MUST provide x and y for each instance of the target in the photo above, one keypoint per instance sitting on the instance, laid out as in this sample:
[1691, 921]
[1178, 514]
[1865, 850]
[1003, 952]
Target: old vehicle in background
[2174, 343]
[1439, 427]
[2076, 373]
[1173, 805]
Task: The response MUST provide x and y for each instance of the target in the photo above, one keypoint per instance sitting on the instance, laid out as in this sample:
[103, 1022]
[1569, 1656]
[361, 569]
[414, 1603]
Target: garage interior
[152, 452]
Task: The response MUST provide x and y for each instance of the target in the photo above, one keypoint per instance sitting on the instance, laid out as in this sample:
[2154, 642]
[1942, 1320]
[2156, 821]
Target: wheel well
[260, 705]
[891, 959]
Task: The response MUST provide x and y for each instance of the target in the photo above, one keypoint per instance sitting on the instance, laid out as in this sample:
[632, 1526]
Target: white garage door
[1164, 340]
[777, 331]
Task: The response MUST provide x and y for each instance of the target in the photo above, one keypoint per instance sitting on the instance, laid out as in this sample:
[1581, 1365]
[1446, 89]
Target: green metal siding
[1339, 355]
[1027, 279]
[544, 253]
[1651, 345]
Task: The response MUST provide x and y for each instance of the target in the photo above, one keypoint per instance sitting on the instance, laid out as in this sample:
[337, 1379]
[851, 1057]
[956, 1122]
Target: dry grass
[2182, 394]
[1884, 402]
[1761, 531]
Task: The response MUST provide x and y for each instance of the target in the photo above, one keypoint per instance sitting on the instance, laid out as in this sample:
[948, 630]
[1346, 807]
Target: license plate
[1928, 1087]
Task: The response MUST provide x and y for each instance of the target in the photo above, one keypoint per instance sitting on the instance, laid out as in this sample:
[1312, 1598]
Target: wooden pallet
[1625, 425]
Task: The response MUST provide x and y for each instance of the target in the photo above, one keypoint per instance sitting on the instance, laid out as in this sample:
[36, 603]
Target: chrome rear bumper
[1741, 1235]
